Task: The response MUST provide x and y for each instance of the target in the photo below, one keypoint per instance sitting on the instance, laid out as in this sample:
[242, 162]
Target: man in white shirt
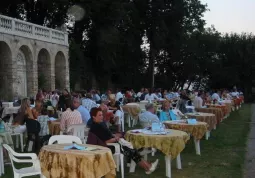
[88, 102]
[139, 94]
[148, 117]
[119, 95]
[198, 101]
[235, 94]
[216, 96]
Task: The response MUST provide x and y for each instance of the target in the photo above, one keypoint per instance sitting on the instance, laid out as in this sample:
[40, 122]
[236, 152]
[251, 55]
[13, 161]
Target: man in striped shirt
[70, 116]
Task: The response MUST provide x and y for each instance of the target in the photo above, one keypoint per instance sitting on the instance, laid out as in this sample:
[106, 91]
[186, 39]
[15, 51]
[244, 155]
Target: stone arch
[6, 91]
[25, 71]
[44, 69]
[60, 70]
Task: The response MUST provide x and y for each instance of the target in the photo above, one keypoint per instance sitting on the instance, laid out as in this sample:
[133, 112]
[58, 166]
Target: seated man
[70, 116]
[148, 117]
[198, 101]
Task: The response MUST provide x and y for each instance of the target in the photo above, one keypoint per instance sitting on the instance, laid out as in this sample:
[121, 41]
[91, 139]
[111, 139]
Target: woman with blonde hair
[166, 113]
[24, 113]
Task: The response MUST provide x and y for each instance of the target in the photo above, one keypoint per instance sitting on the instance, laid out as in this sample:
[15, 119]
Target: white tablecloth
[10, 110]
[7, 104]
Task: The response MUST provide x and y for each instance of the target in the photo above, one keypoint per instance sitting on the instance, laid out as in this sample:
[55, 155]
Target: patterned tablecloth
[209, 118]
[59, 163]
[133, 109]
[197, 130]
[216, 111]
[54, 127]
[170, 144]
[223, 107]
[238, 101]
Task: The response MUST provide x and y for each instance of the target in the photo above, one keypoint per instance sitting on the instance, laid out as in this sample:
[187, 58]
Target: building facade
[31, 57]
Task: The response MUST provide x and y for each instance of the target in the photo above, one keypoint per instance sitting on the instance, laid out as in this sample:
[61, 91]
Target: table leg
[17, 141]
[1, 160]
[21, 142]
[168, 166]
[207, 135]
[197, 146]
[178, 162]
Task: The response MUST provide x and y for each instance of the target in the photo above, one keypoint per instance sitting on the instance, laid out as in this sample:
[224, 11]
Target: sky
[231, 15]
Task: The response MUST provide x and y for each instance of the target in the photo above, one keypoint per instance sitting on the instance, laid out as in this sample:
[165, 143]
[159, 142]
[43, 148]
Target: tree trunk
[189, 84]
[152, 64]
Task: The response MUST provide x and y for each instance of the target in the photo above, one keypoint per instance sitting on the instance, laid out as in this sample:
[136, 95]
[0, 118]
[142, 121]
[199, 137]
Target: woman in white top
[151, 96]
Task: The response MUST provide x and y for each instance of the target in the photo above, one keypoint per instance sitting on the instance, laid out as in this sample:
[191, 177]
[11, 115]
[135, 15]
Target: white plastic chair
[35, 169]
[79, 130]
[19, 136]
[63, 139]
[122, 120]
[118, 156]
[142, 106]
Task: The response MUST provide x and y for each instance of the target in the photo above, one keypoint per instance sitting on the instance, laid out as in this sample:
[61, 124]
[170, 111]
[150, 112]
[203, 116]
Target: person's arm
[30, 114]
[112, 140]
[63, 122]
[112, 107]
[156, 97]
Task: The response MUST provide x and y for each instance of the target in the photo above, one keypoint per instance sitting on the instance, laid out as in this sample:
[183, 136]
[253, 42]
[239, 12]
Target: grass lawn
[222, 156]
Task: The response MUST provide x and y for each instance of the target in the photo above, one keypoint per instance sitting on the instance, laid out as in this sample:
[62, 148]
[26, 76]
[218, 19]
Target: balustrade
[25, 29]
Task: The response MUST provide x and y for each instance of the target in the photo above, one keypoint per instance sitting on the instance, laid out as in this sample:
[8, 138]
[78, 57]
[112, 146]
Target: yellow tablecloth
[59, 163]
[133, 109]
[223, 107]
[197, 130]
[171, 144]
[54, 127]
[209, 118]
[217, 111]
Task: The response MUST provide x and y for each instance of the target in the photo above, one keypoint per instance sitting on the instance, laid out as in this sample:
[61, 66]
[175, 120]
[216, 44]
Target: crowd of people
[92, 109]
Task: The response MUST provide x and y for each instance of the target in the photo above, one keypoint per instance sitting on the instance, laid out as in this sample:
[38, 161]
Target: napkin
[74, 147]
[192, 121]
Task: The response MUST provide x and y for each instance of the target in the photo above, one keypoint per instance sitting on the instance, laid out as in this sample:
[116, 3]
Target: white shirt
[198, 102]
[215, 96]
[147, 118]
[151, 97]
[118, 96]
[235, 94]
[139, 94]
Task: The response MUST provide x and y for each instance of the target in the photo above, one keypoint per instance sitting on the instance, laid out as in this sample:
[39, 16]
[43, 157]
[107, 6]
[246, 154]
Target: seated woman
[23, 114]
[115, 106]
[167, 113]
[105, 135]
[37, 109]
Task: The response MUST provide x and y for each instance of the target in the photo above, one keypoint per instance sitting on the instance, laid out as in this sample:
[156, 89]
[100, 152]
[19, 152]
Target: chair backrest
[11, 154]
[77, 130]
[94, 140]
[142, 105]
[62, 139]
